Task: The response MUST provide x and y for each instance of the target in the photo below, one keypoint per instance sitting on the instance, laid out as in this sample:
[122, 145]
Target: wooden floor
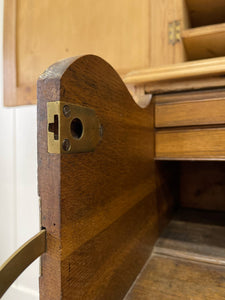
[188, 260]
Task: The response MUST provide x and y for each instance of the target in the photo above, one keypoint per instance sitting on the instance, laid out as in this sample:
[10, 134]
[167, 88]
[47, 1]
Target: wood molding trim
[187, 75]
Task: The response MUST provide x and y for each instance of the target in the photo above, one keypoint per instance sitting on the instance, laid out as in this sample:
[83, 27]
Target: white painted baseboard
[20, 292]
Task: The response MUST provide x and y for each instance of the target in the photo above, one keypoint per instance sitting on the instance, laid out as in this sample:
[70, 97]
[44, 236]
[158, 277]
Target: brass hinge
[72, 128]
[174, 32]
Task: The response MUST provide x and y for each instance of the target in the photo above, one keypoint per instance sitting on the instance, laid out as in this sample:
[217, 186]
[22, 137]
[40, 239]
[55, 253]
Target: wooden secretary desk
[131, 173]
[132, 194]
[138, 211]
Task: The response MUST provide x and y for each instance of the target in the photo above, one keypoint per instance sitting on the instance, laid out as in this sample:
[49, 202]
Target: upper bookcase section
[205, 38]
[130, 35]
[206, 12]
[39, 33]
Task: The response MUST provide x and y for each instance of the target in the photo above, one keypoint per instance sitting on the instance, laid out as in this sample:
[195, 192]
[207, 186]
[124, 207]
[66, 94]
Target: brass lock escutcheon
[72, 128]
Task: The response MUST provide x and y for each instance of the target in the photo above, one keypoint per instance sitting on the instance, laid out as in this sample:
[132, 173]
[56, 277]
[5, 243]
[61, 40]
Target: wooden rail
[200, 68]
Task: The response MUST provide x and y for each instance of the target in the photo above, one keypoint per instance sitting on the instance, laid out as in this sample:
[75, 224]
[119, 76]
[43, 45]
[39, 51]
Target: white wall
[19, 203]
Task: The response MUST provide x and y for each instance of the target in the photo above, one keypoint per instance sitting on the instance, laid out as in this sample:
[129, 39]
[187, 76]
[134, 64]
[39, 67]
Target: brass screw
[66, 145]
[66, 111]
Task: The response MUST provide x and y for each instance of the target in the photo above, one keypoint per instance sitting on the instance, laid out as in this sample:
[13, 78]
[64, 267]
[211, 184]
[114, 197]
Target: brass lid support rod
[21, 259]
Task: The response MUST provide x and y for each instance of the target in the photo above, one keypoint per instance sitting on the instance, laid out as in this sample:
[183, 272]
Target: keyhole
[54, 127]
[76, 128]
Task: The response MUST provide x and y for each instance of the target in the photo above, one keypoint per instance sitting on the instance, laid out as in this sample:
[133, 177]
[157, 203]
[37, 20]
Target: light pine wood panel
[38, 33]
[193, 70]
[190, 108]
[190, 144]
[206, 12]
[204, 42]
[187, 76]
[9, 52]
[163, 12]
[99, 208]
[186, 84]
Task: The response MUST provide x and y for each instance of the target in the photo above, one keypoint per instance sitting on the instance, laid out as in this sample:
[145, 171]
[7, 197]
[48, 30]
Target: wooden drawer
[208, 143]
[193, 108]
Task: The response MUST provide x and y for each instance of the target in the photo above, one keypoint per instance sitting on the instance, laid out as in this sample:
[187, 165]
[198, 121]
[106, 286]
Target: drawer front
[190, 144]
[190, 109]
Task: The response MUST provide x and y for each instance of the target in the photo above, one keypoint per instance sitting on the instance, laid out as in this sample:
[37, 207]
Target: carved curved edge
[57, 70]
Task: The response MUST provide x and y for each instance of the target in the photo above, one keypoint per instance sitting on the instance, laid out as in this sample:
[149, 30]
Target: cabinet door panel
[38, 33]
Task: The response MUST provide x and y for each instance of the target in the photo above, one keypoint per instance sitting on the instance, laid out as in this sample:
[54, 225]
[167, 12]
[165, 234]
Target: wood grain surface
[170, 278]
[179, 71]
[187, 76]
[9, 50]
[163, 12]
[195, 235]
[167, 176]
[99, 208]
[190, 108]
[192, 144]
[202, 185]
[205, 41]
[185, 84]
[205, 12]
[39, 33]
[188, 260]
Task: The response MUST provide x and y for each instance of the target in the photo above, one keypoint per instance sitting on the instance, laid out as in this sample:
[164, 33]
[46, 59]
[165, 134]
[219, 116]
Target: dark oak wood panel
[195, 235]
[188, 260]
[99, 208]
[167, 190]
[193, 144]
[190, 108]
[169, 278]
[202, 185]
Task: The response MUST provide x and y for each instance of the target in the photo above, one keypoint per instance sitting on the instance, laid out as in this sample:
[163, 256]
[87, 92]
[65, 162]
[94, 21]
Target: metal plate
[72, 128]
[21, 259]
